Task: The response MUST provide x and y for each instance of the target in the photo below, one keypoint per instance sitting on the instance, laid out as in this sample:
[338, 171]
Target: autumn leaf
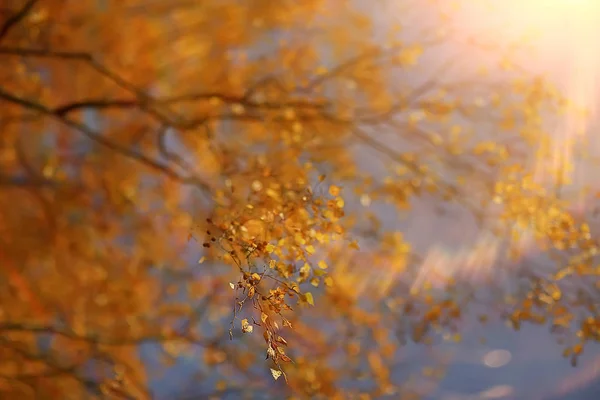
[334, 190]
[246, 327]
[309, 298]
[281, 340]
[284, 357]
[275, 373]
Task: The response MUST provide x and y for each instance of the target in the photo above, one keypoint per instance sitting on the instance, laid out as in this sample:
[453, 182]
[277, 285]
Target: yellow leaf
[563, 273]
[309, 298]
[271, 352]
[263, 317]
[276, 373]
[231, 285]
[270, 248]
[322, 70]
[328, 281]
[281, 340]
[237, 109]
[304, 272]
[585, 230]
[201, 260]
[319, 272]
[323, 264]
[289, 114]
[294, 287]
[310, 249]
[334, 190]
[246, 327]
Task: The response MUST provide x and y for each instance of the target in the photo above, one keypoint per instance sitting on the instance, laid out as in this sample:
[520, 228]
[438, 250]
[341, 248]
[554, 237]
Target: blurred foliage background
[348, 189]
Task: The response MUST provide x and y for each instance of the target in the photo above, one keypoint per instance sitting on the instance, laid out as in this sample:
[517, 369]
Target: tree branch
[12, 21]
[35, 328]
[104, 142]
[25, 182]
[145, 101]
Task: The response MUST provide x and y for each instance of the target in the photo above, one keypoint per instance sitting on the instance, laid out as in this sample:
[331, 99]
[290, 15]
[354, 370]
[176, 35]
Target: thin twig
[12, 21]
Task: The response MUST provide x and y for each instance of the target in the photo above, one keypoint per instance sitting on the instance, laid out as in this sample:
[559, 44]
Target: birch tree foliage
[264, 139]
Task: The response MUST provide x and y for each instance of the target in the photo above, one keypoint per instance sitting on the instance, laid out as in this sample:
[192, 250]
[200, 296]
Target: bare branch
[142, 101]
[154, 106]
[101, 140]
[96, 104]
[16, 18]
[41, 53]
[127, 340]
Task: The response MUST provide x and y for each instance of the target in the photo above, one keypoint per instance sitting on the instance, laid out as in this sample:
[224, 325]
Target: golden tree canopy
[213, 182]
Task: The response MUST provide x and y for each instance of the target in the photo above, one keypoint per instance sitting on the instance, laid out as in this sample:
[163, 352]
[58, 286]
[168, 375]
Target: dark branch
[16, 18]
[35, 328]
[96, 104]
[104, 142]
[146, 102]
[39, 53]
[142, 99]
[25, 182]
[133, 103]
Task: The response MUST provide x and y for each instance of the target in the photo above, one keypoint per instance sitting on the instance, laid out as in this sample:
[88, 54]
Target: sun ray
[563, 35]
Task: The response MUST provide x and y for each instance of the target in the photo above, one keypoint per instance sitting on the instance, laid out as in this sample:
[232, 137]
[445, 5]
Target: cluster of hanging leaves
[262, 135]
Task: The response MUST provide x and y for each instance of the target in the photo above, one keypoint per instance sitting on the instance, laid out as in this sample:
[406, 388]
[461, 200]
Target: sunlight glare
[563, 37]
